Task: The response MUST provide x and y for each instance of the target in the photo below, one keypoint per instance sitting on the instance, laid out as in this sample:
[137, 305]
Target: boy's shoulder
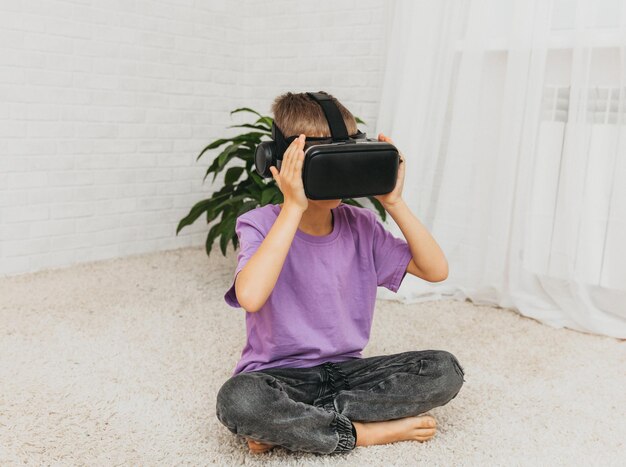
[262, 217]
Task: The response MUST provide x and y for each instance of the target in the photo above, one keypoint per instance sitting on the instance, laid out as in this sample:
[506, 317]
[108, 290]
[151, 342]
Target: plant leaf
[353, 202]
[255, 192]
[379, 207]
[212, 168]
[278, 197]
[221, 160]
[247, 125]
[245, 109]
[252, 138]
[195, 212]
[232, 175]
[223, 157]
[208, 205]
[267, 121]
[257, 179]
[213, 145]
[267, 195]
[236, 196]
[247, 206]
[211, 238]
[232, 200]
[227, 230]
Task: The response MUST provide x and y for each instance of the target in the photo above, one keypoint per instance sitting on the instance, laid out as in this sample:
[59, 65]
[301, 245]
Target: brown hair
[298, 113]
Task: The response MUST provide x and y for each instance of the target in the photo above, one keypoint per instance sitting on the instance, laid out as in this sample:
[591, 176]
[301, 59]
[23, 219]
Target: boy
[307, 275]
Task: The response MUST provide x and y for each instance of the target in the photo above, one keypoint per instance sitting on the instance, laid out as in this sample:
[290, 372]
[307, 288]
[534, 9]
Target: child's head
[298, 113]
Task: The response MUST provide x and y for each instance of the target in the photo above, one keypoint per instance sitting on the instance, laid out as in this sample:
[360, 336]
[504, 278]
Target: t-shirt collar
[337, 226]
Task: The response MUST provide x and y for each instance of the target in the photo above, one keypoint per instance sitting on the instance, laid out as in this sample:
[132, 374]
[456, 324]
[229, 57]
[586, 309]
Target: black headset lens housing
[335, 167]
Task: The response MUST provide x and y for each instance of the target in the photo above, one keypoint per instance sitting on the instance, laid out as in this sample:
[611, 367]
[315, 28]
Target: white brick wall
[105, 106]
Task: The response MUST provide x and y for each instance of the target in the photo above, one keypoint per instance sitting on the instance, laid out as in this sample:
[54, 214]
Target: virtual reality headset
[340, 166]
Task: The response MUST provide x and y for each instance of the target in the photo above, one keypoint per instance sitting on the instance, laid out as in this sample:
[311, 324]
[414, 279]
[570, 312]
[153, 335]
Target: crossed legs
[385, 399]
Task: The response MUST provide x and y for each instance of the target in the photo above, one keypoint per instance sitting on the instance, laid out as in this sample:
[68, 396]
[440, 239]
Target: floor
[118, 362]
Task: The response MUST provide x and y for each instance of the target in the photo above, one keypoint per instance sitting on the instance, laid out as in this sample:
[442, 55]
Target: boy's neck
[316, 220]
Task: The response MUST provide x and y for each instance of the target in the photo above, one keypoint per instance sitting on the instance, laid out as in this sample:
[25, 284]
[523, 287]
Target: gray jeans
[311, 409]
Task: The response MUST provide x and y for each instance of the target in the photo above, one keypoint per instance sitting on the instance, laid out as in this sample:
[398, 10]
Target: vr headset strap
[279, 139]
[337, 126]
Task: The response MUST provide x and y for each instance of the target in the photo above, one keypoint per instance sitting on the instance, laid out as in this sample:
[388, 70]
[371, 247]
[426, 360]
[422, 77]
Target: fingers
[288, 160]
[297, 153]
[386, 139]
[276, 175]
[298, 157]
[291, 155]
[291, 163]
[285, 168]
[299, 162]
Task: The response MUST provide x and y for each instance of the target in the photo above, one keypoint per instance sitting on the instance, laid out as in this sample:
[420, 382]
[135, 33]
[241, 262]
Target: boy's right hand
[289, 180]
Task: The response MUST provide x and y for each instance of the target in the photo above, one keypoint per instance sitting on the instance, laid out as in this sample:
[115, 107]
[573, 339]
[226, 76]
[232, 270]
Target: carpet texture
[118, 362]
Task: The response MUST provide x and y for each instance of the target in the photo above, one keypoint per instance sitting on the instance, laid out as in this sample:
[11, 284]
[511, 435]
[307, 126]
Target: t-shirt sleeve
[391, 257]
[250, 237]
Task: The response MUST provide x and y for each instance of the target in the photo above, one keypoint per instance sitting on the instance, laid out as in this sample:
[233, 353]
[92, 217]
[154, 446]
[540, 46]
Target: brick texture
[105, 106]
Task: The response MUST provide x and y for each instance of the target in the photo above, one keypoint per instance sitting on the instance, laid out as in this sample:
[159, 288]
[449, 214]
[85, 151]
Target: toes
[423, 440]
[258, 443]
[426, 429]
[424, 437]
[258, 447]
[427, 421]
[260, 450]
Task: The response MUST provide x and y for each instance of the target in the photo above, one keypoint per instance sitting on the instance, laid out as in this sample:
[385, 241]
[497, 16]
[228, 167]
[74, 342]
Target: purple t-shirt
[322, 305]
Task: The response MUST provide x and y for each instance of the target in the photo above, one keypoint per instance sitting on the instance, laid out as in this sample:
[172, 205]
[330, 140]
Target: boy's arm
[428, 261]
[255, 282]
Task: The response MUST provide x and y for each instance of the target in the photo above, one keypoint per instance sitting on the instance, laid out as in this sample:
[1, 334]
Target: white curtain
[511, 114]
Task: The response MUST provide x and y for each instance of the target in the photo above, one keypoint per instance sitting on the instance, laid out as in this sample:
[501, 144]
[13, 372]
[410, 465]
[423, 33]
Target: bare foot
[418, 428]
[257, 447]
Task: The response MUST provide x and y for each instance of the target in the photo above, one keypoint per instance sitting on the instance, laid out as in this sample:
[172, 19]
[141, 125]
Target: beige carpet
[118, 363]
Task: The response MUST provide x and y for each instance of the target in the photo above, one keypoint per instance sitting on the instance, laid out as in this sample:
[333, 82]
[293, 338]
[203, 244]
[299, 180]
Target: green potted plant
[238, 194]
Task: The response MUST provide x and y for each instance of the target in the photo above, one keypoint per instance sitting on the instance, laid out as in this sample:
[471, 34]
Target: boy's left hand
[395, 195]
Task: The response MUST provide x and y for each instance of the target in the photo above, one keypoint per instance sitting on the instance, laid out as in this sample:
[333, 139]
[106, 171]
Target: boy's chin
[325, 203]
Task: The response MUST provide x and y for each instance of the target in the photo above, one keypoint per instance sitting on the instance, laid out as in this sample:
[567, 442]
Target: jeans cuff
[347, 440]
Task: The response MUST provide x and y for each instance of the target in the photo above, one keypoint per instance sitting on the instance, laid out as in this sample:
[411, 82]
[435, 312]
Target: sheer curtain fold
[512, 117]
